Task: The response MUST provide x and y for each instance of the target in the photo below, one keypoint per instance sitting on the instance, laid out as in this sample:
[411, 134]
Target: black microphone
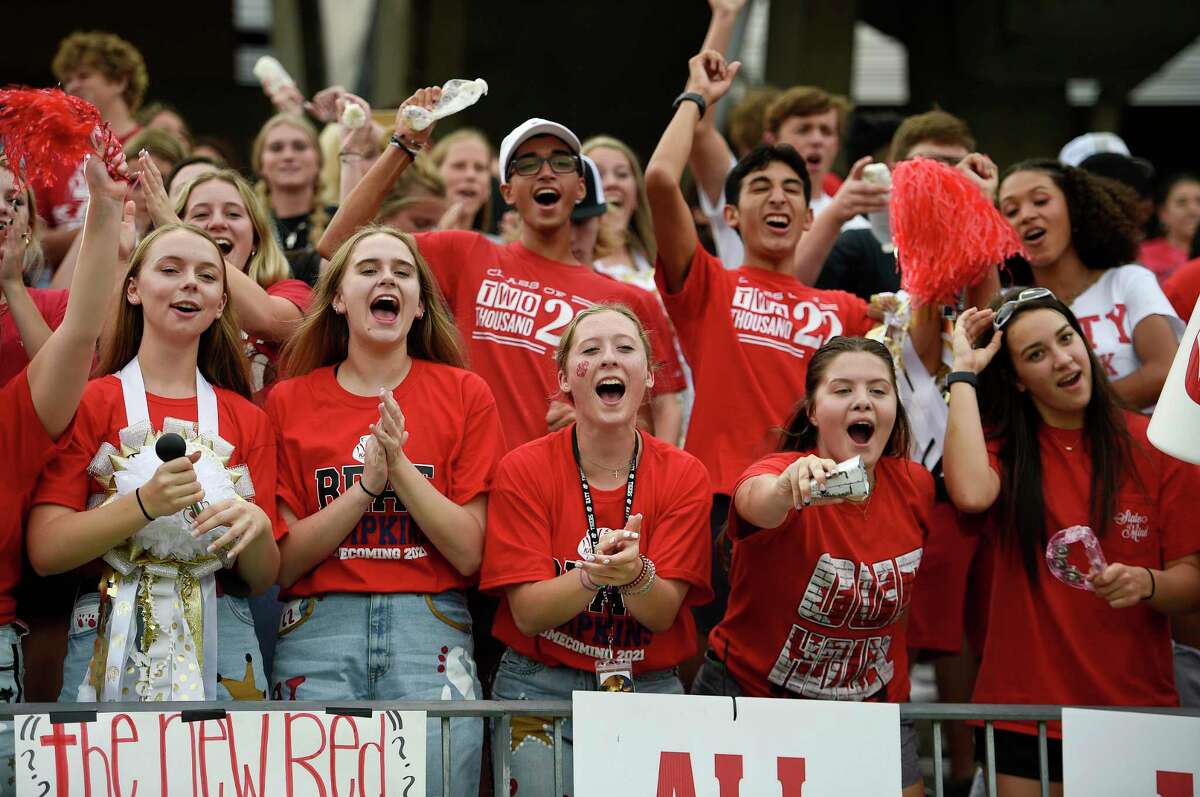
[171, 446]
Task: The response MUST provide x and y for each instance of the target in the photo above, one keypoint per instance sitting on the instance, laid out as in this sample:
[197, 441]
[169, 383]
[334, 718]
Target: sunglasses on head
[1005, 313]
[531, 163]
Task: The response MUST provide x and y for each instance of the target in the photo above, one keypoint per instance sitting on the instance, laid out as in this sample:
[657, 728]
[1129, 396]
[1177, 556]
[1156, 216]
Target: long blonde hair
[324, 335]
[220, 358]
[639, 235]
[267, 264]
[318, 219]
[483, 219]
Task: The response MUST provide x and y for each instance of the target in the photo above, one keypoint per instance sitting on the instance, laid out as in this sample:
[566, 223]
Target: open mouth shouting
[778, 221]
[861, 433]
[814, 159]
[611, 390]
[546, 196]
[1033, 235]
[224, 244]
[385, 308]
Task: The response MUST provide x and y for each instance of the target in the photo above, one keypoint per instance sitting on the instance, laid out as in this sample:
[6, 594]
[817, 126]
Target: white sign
[685, 746]
[243, 754]
[1125, 753]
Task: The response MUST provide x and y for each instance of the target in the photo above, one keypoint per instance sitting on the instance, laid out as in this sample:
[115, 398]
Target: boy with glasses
[511, 302]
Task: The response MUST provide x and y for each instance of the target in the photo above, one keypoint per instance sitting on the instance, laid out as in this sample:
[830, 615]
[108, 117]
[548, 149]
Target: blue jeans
[240, 673]
[523, 678]
[394, 646]
[12, 676]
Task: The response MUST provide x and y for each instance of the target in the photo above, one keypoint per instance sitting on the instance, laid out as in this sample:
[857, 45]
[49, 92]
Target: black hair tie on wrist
[368, 492]
[137, 493]
[1153, 586]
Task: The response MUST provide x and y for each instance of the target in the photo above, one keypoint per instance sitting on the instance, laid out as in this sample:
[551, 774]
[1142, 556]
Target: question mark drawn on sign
[45, 784]
[400, 739]
[411, 780]
[29, 761]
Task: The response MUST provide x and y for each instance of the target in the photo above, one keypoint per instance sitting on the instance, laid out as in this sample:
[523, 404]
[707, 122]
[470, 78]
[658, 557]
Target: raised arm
[362, 204]
[972, 484]
[32, 328]
[674, 231]
[856, 196]
[60, 370]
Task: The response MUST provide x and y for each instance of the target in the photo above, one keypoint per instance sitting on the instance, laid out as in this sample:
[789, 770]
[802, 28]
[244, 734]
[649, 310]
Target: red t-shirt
[1161, 257]
[818, 605]
[748, 334]
[264, 354]
[26, 447]
[511, 307]
[52, 305]
[454, 439]
[1183, 288]
[101, 416]
[1053, 644]
[537, 527]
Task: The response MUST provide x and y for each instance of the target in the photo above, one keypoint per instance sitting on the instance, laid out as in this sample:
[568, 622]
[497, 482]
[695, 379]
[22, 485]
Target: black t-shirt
[858, 264]
[292, 233]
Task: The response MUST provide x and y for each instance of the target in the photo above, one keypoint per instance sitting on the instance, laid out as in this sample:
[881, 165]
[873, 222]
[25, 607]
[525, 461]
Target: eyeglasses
[1005, 313]
[531, 163]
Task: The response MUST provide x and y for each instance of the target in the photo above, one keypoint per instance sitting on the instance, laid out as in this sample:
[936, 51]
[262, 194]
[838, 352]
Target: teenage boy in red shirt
[511, 302]
[749, 332]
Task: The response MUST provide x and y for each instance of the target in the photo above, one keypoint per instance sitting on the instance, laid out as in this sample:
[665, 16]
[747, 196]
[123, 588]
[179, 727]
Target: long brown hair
[441, 151]
[324, 335]
[220, 358]
[639, 235]
[266, 265]
[1010, 415]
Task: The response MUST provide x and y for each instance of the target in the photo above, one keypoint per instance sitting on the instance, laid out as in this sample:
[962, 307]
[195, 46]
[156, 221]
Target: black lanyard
[606, 593]
[589, 510]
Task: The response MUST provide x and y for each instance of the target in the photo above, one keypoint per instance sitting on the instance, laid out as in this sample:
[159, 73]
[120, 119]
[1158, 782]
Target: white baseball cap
[527, 130]
[1080, 148]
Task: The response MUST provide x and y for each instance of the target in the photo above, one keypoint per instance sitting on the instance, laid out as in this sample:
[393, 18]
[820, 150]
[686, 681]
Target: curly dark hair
[1103, 212]
[116, 58]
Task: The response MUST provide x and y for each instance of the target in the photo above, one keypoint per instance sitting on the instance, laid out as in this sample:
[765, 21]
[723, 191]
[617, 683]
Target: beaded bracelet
[642, 584]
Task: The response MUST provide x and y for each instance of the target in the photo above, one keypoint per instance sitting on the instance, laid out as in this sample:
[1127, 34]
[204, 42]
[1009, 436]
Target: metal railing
[501, 712]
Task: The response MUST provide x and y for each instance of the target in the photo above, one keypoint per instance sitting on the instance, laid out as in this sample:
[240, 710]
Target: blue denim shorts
[521, 678]
[240, 673]
[394, 646]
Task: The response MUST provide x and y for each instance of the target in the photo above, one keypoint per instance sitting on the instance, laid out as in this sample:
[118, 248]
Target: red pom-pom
[46, 131]
[947, 234]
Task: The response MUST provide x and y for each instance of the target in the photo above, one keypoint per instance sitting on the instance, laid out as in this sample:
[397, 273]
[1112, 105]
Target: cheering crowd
[521, 421]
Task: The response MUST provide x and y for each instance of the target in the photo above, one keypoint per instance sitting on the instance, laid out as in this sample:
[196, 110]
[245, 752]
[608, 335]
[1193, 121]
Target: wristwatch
[690, 96]
[970, 378]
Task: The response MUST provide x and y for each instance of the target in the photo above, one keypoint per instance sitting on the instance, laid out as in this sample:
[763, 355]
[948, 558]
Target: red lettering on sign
[1175, 784]
[791, 775]
[333, 751]
[291, 759]
[165, 720]
[242, 784]
[362, 762]
[728, 770]
[59, 741]
[675, 775]
[117, 740]
[226, 734]
[1191, 377]
[88, 752]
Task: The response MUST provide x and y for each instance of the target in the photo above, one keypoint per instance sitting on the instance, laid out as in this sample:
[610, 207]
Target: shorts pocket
[239, 608]
[450, 608]
[85, 617]
[514, 663]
